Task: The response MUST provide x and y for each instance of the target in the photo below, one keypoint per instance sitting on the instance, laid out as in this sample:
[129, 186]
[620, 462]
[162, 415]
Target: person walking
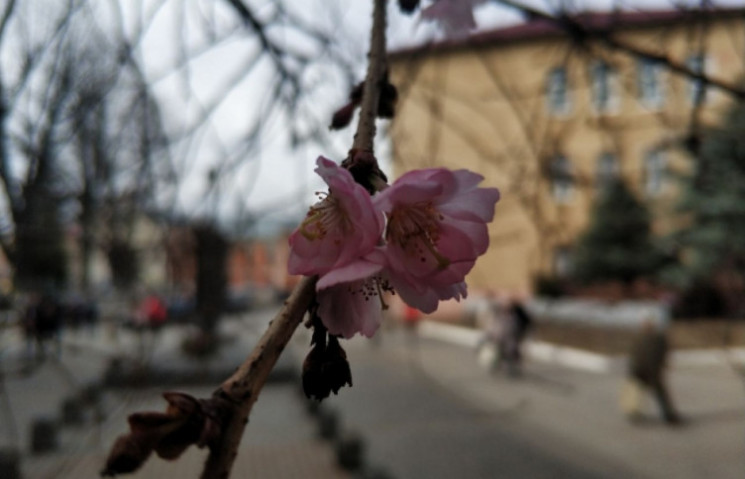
[519, 323]
[647, 365]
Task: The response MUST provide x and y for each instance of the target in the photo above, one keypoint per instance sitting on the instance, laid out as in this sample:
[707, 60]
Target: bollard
[114, 374]
[72, 412]
[328, 423]
[350, 450]
[312, 406]
[10, 463]
[91, 393]
[43, 435]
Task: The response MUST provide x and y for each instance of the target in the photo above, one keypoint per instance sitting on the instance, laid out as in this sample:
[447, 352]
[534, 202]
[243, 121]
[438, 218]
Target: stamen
[324, 216]
[410, 226]
[383, 304]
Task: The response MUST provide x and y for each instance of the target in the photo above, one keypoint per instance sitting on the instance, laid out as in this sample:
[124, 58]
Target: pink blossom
[338, 230]
[350, 308]
[436, 230]
[454, 16]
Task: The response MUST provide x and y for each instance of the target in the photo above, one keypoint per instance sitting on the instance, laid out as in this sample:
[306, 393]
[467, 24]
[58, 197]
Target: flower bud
[343, 116]
[325, 369]
[387, 102]
[336, 367]
[315, 384]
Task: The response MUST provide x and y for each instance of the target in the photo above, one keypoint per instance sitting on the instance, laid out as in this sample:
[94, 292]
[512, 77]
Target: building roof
[591, 22]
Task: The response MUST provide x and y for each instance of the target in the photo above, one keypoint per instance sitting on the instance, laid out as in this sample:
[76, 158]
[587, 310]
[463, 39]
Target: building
[550, 119]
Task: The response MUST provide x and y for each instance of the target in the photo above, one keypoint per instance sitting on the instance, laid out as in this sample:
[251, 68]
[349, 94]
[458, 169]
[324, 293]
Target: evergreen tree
[713, 200]
[617, 246]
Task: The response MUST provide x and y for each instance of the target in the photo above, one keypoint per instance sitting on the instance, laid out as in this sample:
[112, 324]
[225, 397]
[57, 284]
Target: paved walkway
[281, 441]
[566, 414]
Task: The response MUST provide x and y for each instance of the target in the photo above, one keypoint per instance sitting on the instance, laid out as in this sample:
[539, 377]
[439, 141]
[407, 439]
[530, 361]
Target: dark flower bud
[388, 99]
[315, 384]
[336, 367]
[355, 96]
[343, 116]
[326, 368]
[408, 6]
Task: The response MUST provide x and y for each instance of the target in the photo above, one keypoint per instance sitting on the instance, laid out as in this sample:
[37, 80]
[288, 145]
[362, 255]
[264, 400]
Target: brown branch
[243, 387]
[365, 135]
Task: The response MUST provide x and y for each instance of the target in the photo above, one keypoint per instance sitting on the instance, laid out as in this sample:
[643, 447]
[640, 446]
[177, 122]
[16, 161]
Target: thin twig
[243, 387]
[365, 135]
[576, 29]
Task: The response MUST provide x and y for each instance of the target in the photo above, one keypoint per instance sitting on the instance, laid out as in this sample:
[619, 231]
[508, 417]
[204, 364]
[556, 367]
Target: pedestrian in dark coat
[647, 364]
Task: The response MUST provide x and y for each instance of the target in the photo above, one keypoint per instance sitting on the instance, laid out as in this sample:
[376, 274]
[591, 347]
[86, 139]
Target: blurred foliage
[550, 286]
[713, 199]
[702, 299]
[618, 244]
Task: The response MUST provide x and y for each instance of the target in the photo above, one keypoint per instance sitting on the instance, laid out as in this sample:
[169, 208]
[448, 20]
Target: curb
[577, 358]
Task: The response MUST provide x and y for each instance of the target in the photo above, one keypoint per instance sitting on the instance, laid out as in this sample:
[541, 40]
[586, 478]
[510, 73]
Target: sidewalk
[426, 408]
[563, 413]
[280, 442]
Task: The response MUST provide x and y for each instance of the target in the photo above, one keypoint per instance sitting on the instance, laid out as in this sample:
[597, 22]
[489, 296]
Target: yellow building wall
[485, 109]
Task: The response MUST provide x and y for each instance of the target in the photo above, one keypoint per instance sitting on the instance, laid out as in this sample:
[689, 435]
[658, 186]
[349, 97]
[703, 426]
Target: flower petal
[354, 271]
[345, 309]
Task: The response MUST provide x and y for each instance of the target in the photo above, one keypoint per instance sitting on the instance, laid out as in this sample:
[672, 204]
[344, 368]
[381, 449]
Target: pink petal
[474, 205]
[351, 228]
[345, 311]
[454, 16]
[355, 271]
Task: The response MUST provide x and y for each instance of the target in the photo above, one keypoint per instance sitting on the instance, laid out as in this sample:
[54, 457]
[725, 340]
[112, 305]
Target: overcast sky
[274, 178]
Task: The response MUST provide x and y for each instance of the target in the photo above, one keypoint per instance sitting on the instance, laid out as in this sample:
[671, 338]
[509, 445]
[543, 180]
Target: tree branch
[365, 135]
[577, 30]
[243, 387]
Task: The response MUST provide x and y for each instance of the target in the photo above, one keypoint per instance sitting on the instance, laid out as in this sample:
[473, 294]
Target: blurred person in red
[153, 312]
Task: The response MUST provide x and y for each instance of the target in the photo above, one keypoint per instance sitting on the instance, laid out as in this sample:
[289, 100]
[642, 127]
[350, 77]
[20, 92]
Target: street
[423, 408]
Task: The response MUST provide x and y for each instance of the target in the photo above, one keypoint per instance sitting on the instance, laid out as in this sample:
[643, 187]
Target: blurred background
[156, 154]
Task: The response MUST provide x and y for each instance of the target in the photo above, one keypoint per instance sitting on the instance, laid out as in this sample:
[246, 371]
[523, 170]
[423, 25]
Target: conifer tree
[618, 245]
[713, 201]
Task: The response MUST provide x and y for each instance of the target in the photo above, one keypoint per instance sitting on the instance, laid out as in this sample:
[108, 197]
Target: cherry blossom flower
[338, 230]
[436, 230]
[336, 240]
[454, 16]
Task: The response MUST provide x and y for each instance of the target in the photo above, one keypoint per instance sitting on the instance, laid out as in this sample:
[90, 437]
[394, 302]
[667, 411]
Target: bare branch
[576, 30]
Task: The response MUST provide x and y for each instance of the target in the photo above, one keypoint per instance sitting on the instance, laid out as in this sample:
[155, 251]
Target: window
[697, 64]
[562, 182]
[607, 171]
[603, 79]
[654, 173]
[557, 94]
[649, 83]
